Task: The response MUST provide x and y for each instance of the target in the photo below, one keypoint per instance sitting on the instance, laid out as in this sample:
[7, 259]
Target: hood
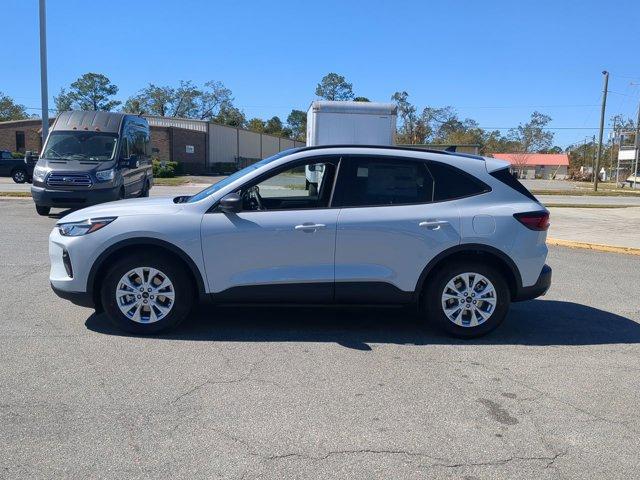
[122, 208]
[59, 166]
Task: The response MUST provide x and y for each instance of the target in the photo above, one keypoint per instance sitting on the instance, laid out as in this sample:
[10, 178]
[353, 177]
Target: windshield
[94, 146]
[239, 174]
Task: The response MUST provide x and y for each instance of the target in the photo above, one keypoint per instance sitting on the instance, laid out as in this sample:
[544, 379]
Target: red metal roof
[554, 159]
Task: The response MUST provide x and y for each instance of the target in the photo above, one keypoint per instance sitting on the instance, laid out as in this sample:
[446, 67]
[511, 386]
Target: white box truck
[348, 123]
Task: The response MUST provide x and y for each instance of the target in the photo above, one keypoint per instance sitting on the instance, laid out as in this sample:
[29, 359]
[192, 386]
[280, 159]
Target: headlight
[77, 229]
[105, 175]
[39, 173]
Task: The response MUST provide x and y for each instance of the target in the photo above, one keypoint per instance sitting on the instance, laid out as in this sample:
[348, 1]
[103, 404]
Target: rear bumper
[538, 289]
[72, 198]
[83, 299]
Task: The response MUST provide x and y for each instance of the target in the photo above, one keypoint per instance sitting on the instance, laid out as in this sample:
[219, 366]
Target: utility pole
[613, 147]
[43, 70]
[602, 112]
[637, 149]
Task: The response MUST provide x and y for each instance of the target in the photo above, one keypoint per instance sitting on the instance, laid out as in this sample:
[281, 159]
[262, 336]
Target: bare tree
[520, 162]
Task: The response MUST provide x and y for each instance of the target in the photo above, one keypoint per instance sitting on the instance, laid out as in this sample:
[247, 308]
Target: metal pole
[43, 71]
[602, 112]
[637, 149]
[613, 147]
[613, 143]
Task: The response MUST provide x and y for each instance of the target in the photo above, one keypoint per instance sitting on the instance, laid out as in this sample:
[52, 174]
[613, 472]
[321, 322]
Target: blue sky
[494, 61]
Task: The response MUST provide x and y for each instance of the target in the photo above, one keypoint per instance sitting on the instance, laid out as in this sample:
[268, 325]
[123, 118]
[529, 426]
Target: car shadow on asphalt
[536, 322]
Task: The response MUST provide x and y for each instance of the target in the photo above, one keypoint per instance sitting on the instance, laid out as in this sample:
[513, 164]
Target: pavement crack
[243, 379]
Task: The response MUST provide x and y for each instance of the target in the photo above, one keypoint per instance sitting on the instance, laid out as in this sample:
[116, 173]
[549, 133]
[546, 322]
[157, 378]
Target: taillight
[538, 221]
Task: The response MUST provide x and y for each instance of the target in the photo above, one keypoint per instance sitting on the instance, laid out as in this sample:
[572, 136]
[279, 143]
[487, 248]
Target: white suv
[456, 235]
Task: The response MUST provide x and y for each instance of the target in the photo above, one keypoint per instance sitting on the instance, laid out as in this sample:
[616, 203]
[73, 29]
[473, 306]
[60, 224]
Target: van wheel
[19, 176]
[44, 211]
[146, 294]
[145, 190]
[467, 300]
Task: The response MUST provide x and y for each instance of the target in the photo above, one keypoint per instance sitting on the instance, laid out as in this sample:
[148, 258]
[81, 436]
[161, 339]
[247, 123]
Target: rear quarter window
[505, 176]
[451, 183]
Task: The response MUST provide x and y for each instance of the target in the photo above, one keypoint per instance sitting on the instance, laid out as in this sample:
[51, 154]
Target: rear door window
[371, 181]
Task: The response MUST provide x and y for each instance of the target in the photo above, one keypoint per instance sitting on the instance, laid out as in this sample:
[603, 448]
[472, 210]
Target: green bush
[17, 155]
[164, 169]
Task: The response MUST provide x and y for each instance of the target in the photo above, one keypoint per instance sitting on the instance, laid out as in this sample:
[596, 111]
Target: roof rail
[394, 147]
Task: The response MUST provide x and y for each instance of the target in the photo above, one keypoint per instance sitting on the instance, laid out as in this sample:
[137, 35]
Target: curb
[598, 247]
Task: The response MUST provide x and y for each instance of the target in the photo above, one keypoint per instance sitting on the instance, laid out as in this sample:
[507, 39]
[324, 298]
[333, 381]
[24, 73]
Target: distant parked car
[455, 235]
[15, 168]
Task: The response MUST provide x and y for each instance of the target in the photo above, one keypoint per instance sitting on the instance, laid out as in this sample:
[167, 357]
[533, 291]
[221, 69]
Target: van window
[367, 181]
[135, 141]
[78, 145]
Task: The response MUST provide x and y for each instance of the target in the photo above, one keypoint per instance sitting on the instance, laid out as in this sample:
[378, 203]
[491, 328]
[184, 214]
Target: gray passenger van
[92, 157]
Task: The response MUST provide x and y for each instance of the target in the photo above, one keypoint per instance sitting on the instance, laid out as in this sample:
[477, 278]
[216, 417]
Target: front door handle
[310, 227]
[433, 224]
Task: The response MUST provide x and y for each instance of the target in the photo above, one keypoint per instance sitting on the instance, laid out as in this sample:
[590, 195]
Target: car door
[389, 228]
[6, 162]
[281, 246]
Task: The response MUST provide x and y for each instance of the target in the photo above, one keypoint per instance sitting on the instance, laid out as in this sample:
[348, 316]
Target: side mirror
[131, 162]
[231, 203]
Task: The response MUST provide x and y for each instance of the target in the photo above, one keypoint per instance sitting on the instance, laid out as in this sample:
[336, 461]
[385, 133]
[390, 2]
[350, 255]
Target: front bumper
[538, 289]
[72, 198]
[83, 299]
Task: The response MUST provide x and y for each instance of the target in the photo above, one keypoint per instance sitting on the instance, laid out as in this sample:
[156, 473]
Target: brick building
[21, 135]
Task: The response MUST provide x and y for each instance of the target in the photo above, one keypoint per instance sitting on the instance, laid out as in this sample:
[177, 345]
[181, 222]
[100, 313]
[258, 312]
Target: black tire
[19, 175]
[436, 287]
[306, 184]
[173, 269]
[42, 210]
[121, 194]
[145, 189]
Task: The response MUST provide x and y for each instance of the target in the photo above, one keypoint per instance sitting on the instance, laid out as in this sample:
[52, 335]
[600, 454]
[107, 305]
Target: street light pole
[602, 112]
[43, 71]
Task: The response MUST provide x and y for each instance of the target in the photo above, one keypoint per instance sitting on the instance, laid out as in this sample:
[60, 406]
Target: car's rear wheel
[467, 299]
[19, 175]
[146, 294]
[42, 210]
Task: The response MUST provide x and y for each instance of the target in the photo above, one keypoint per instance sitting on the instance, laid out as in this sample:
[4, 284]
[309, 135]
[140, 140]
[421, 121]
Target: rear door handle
[310, 226]
[433, 224]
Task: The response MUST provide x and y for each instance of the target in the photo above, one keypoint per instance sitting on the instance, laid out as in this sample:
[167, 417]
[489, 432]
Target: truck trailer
[348, 123]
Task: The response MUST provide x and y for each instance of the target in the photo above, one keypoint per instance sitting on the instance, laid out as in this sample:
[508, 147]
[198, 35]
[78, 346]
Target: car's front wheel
[146, 294]
[468, 299]
[42, 210]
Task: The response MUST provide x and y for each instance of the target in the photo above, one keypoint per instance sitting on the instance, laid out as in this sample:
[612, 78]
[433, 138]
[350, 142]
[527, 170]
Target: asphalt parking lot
[319, 393]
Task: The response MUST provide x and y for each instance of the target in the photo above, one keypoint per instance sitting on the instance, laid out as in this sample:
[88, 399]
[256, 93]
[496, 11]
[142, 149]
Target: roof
[554, 159]
[369, 108]
[89, 120]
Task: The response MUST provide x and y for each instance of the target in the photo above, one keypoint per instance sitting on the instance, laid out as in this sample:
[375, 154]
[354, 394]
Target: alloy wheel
[145, 295]
[469, 299]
